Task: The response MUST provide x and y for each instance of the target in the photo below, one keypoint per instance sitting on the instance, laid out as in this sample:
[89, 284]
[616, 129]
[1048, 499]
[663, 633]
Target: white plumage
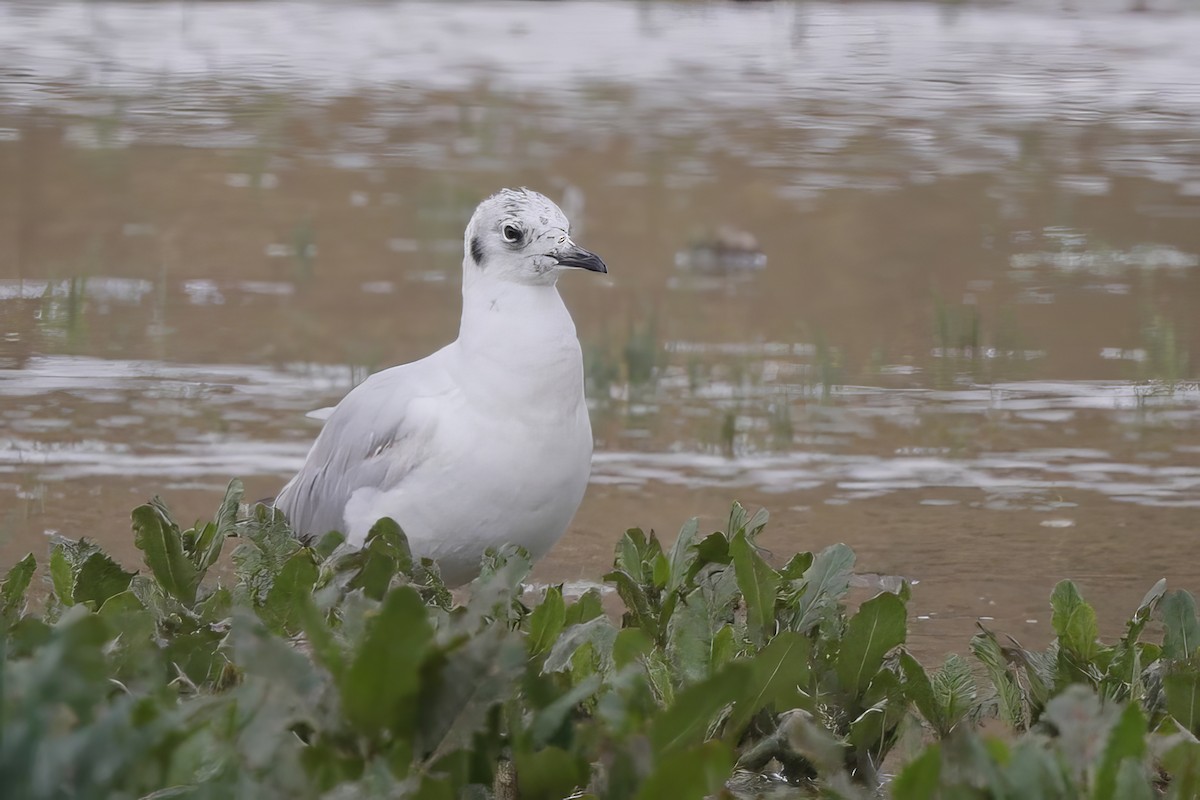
[485, 442]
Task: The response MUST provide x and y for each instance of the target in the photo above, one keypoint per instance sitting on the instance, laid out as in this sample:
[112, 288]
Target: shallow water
[916, 277]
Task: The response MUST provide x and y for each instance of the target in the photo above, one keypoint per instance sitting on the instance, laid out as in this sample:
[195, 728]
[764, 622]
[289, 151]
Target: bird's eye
[511, 233]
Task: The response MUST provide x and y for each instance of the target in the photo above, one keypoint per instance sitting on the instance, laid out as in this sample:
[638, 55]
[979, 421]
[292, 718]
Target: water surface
[916, 277]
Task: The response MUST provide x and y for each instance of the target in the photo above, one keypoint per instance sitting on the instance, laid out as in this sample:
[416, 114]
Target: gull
[487, 441]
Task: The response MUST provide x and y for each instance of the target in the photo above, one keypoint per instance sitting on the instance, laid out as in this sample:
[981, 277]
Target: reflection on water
[917, 277]
[56, 393]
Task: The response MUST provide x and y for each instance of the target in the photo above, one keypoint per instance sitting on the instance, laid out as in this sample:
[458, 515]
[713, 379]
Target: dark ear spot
[477, 251]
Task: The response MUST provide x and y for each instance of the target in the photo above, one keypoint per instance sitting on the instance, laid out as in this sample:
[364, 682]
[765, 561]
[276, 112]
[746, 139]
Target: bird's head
[520, 236]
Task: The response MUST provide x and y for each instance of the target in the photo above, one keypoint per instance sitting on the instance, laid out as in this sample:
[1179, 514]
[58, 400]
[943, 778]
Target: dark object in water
[728, 250]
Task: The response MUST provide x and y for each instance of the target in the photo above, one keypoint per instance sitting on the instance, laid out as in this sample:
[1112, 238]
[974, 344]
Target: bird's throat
[512, 329]
[503, 314]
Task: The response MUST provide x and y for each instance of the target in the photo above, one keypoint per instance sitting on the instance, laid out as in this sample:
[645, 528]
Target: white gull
[485, 442]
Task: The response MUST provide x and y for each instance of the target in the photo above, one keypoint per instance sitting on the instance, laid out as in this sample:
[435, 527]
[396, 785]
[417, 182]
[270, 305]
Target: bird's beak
[572, 255]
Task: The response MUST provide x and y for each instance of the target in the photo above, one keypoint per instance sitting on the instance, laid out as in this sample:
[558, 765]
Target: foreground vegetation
[323, 672]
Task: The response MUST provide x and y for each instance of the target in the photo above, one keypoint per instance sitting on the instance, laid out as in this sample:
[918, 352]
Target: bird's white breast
[508, 459]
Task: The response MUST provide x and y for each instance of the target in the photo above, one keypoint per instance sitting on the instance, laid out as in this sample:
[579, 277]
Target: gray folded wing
[373, 438]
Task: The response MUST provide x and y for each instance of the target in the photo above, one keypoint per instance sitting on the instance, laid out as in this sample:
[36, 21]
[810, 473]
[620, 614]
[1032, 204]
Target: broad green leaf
[66, 558]
[692, 774]
[121, 605]
[757, 523]
[717, 586]
[550, 720]
[659, 672]
[873, 733]
[723, 648]
[823, 585]
[477, 676]
[1149, 603]
[79, 639]
[135, 653]
[632, 552]
[495, 593]
[207, 548]
[1034, 772]
[598, 631]
[954, 691]
[1182, 687]
[211, 538]
[195, 651]
[12, 590]
[1181, 634]
[779, 673]
[385, 553]
[587, 607]
[712, 549]
[741, 522]
[921, 778]
[1132, 782]
[878, 626]
[379, 686]
[796, 566]
[216, 607]
[1180, 759]
[584, 662]
[325, 647]
[156, 601]
[629, 645]
[920, 690]
[161, 544]
[1041, 670]
[987, 649]
[1074, 621]
[812, 740]
[1123, 679]
[738, 517]
[549, 773]
[682, 554]
[1126, 741]
[687, 721]
[281, 610]
[62, 577]
[1082, 724]
[639, 611]
[387, 537]
[226, 519]
[266, 544]
[660, 571]
[328, 543]
[99, 578]
[546, 622]
[667, 605]
[690, 640]
[439, 786]
[23, 637]
[259, 652]
[759, 585]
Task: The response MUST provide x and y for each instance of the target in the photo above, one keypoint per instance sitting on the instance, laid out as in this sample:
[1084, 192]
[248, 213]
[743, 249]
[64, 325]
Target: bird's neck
[516, 329]
[517, 313]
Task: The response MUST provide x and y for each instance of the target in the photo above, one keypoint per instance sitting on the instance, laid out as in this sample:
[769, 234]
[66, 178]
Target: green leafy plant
[323, 671]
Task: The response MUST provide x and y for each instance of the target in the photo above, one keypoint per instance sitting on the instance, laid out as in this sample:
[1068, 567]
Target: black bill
[575, 256]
